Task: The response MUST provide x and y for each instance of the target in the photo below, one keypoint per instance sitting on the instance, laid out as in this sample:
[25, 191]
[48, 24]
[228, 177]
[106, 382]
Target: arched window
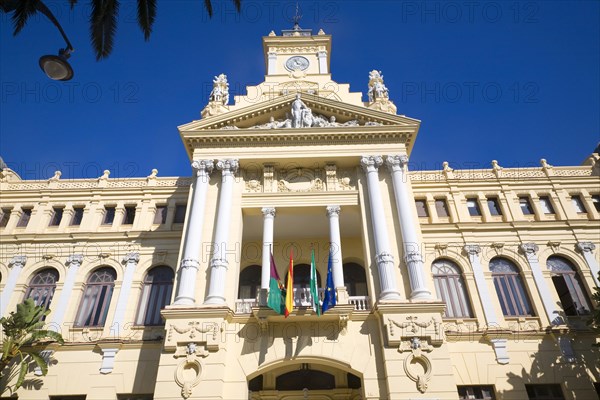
[249, 282]
[96, 298]
[355, 280]
[510, 289]
[156, 294]
[41, 287]
[568, 285]
[451, 289]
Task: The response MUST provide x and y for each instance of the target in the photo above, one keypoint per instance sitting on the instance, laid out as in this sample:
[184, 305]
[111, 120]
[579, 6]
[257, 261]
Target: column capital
[18, 261]
[529, 248]
[333, 210]
[75, 260]
[228, 166]
[585, 247]
[396, 162]
[201, 167]
[371, 163]
[472, 249]
[268, 211]
[132, 258]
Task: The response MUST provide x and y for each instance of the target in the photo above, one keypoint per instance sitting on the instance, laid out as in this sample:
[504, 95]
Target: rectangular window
[525, 206]
[478, 392]
[77, 216]
[473, 206]
[57, 214]
[546, 205]
[441, 208]
[161, 215]
[578, 204]
[544, 392]
[129, 215]
[596, 202]
[179, 213]
[109, 215]
[494, 206]
[421, 208]
[5, 217]
[25, 217]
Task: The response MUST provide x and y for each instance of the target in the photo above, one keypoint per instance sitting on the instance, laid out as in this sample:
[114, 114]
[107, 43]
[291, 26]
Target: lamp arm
[41, 7]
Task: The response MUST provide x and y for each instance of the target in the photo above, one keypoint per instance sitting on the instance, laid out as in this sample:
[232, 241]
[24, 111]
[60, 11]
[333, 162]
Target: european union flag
[329, 298]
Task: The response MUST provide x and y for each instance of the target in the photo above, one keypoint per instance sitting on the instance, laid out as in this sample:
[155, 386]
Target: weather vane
[297, 17]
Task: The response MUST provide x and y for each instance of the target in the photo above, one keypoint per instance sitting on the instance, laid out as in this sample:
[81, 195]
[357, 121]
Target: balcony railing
[303, 298]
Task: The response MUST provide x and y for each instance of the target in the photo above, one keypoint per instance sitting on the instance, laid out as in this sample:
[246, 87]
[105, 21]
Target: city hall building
[450, 284]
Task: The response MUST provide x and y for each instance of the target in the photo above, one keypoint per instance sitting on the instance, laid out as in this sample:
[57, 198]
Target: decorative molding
[333, 210]
[529, 248]
[18, 261]
[219, 263]
[195, 331]
[371, 163]
[417, 349]
[301, 180]
[109, 353]
[190, 263]
[472, 249]
[228, 166]
[203, 167]
[268, 211]
[585, 247]
[131, 258]
[192, 362]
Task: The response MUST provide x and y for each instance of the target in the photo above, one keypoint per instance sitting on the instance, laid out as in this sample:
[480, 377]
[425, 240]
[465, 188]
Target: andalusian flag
[289, 292]
[314, 288]
[329, 298]
[275, 299]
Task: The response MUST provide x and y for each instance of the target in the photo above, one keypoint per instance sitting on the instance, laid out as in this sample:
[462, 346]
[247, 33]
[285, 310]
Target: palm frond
[22, 372]
[46, 334]
[39, 361]
[146, 14]
[208, 6]
[24, 10]
[103, 26]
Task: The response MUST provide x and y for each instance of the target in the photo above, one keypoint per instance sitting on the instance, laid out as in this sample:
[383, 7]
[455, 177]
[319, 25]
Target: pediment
[273, 115]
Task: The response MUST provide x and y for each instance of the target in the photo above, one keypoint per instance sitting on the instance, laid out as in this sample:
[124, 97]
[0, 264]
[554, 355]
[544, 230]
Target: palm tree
[21, 341]
[103, 19]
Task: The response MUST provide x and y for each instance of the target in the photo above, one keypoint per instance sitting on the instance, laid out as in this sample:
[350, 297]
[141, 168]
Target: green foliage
[103, 18]
[22, 334]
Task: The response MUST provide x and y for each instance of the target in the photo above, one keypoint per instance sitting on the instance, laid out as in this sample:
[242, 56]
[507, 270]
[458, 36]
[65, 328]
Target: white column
[268, 220]
[473, 251]
[16, 263]
[130, 260]
[58, 315]
[587, 250]
[530, 250]
[500, 345]
[272, 63]
[410, 240]
[384, 258]
[218, 263]
[193, 235]
[333, 212]
[322, 57]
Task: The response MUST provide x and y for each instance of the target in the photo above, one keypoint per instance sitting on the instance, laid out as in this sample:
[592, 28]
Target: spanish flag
[289, 293]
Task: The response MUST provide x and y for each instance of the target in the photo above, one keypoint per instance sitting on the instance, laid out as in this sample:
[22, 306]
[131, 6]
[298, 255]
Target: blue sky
[506, 80]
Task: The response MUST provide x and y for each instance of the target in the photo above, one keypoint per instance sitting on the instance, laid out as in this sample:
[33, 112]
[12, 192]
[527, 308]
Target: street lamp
[56, 67]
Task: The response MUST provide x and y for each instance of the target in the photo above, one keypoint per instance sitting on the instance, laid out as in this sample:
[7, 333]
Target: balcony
[303, 298]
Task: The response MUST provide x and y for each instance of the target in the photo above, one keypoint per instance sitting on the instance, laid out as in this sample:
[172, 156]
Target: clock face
[297, 63]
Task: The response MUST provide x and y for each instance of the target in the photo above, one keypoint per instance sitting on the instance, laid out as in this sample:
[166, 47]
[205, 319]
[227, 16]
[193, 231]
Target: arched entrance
[295, 380]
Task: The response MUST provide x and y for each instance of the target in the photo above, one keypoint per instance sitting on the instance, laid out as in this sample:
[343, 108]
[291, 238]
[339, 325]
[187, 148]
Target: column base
[342, 295]
[421, 294]
[184, 301]
[390, 295]
[215, 300]
[263, 297]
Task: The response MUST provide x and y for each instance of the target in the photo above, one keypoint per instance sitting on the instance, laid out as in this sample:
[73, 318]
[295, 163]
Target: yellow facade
[456, 283]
